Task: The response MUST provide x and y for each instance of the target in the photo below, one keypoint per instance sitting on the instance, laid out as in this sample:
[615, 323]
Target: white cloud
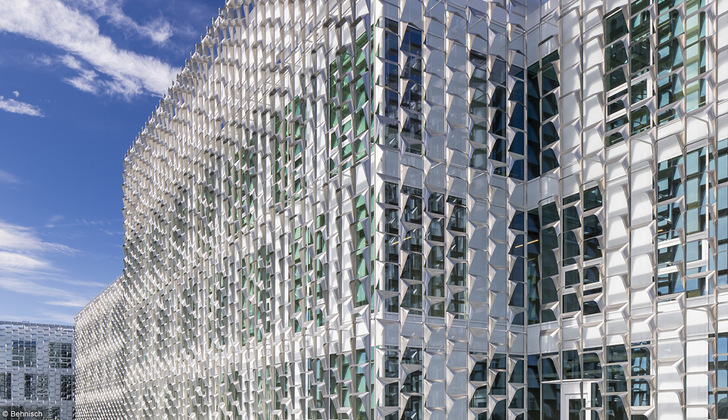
[86, 81]
[17, 107]
[49, 295]
[158, 30]
[71, 62]
[41, 59]
[24, 268]
[53, 22]
[24, 241]
[12, 261]
[16, 93]
[7, 178]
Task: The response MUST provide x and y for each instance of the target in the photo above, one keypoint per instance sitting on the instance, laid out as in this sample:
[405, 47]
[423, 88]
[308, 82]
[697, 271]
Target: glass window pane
[721, 404]
[571, 303]
[591, 275]
[638, 91]
[571, 364]
[639, 58]
[640, 120]
[695, 95]
[480, 371]
[616, 381]
[669, 90]
[669, 283]
[615, 26]
[616, 354]
[571, 277]
[548, 369]
[640, 361]
[592, 366]
[640, 392]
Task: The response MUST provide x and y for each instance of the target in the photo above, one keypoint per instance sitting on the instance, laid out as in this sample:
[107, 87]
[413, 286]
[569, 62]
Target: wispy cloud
[16, 93]
[22, 253]
[26, 269]
[71, 62]
[51, 223]
[16, 262]
[126, 73]
[17, 107]
[24, 241]
[158, 30]
[86, 81]
[7, 178]
[48, 295]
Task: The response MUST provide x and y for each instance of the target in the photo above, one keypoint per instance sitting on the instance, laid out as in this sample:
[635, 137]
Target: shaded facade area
[424, 210]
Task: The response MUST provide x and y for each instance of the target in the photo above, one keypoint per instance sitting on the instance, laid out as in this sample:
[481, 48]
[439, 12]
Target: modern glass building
[415, 209]
[36, 371]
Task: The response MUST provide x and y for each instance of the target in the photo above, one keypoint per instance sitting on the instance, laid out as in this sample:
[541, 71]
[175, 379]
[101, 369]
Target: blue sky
[78, 80]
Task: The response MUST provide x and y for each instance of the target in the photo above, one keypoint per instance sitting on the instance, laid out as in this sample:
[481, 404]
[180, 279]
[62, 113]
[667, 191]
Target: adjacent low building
[36, 371]
[423, 209]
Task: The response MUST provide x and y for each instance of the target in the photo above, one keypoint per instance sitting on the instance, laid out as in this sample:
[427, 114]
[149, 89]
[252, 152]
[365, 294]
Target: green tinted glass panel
[640, 120]
[638, 5]
[695, 95]
[669, 90]
[695, 60]
[668, 26]
[639, 58]
[664, 5]
[615, 56]
[638, 91]
[615, 27]
[615, 78]
[640, 26]
[694, 28]
[613, 139]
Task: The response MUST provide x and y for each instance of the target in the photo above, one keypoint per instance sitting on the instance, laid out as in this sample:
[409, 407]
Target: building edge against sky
[417, 209]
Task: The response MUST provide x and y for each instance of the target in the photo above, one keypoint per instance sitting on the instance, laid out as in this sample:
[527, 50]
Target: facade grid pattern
[36, 370]
[413, 209]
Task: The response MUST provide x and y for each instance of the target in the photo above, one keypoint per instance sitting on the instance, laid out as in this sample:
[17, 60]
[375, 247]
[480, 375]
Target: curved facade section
[101, 356]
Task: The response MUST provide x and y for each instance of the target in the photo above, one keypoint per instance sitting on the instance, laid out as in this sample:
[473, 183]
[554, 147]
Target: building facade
[413, 209]
[36, 371]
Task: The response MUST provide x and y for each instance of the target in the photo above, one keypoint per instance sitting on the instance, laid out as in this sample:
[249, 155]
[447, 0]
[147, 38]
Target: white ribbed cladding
[101, 355]
[419, 209]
